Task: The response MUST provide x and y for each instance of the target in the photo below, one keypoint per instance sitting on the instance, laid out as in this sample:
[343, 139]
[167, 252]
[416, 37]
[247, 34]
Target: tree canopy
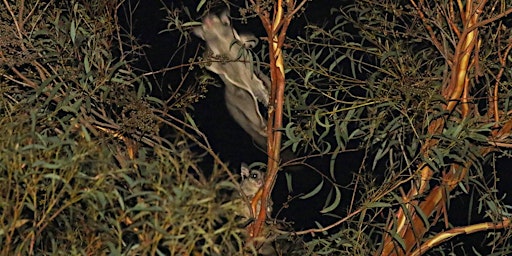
[397, 112]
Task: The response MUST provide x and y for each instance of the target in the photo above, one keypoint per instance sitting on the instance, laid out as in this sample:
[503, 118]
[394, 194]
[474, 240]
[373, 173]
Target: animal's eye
[254, 176]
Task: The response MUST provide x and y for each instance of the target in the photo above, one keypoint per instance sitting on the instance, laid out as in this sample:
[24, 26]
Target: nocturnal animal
[252, 181]
[245, 85]
[228, 48]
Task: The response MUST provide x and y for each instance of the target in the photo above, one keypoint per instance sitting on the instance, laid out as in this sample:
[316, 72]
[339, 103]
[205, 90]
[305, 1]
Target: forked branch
[276, 25]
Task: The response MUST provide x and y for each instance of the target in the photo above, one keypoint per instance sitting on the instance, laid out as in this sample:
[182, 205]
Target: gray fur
[245, 85]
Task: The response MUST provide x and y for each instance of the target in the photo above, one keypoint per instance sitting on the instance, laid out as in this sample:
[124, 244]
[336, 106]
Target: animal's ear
[248, 40]
[224, 18]
[244, 170]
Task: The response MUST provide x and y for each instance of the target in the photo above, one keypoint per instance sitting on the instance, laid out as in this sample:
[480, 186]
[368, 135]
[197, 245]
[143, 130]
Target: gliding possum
[245, 84]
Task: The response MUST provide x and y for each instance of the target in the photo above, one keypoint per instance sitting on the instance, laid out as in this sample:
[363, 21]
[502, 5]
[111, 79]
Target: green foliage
[67, 195]
[83, 167]
[372, 82]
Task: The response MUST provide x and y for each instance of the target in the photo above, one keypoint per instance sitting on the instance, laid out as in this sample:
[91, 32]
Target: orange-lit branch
[408, 225]
[276, 33]
[275, 108]
[447, 235]
[503, 61]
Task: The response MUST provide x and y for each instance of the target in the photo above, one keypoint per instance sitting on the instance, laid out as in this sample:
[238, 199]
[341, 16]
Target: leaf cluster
[372, 81]
[84, 166]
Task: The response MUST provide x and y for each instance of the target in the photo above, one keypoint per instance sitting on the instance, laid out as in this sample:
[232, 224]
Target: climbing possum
[252, 181]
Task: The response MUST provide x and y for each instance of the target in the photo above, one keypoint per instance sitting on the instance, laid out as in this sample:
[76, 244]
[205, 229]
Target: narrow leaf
[314, 191]
[337, 200]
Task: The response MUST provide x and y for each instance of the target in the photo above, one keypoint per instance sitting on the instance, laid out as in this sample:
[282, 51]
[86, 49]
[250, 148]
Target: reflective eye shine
[255, 176]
